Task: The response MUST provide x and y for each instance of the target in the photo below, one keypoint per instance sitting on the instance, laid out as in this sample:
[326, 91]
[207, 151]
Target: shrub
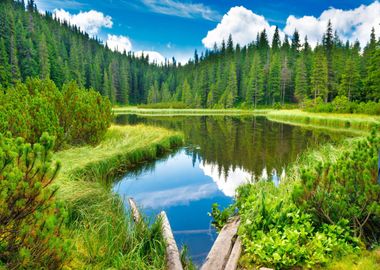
[30, 218]
[347, 189]
[341, 104]
[73, 115]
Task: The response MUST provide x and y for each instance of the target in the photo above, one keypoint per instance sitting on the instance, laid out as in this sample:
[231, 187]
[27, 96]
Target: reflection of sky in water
[186, 191]
[185, 188]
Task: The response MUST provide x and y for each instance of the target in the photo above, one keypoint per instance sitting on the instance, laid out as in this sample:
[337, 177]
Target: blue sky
[173, 27]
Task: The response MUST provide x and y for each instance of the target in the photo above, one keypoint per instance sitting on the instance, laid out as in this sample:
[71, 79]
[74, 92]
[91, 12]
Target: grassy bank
[102, 234]
[143, 111]
[358, 122]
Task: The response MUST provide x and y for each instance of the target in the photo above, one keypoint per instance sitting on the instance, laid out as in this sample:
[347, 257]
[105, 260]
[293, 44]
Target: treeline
[261, 73]
[35, 45]
[280, 72]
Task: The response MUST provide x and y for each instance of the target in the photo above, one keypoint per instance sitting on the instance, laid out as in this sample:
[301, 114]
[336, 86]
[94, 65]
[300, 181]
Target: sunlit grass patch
[102, 232]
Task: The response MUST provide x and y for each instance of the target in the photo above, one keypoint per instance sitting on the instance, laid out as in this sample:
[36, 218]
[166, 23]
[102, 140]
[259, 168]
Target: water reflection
[221, 153]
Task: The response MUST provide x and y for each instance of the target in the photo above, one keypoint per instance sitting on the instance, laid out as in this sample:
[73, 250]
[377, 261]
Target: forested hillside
[261, 73]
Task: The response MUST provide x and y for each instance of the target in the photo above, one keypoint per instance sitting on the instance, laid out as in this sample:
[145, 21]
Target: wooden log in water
[135, 211]
[233, 260]
[222, 248]
[172, 253]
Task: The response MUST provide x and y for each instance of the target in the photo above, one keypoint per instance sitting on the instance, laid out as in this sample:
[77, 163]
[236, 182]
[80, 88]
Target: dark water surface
[221, 153]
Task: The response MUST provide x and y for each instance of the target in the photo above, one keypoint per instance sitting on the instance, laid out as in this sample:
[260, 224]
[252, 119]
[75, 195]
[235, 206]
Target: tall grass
[356, 122]
[102, 232]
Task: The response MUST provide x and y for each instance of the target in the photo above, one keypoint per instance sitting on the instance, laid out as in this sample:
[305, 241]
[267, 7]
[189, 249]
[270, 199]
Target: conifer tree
[44, 58]
[301, 83]
[319, 75]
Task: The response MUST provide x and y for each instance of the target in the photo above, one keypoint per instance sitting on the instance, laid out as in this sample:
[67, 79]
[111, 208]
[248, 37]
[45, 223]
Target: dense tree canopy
[35, 45]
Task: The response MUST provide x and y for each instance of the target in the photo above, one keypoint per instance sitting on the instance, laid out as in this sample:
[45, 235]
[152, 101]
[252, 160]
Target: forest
[261, 73]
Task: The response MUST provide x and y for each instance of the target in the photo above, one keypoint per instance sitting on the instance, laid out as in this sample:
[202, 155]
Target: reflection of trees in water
[248, 142]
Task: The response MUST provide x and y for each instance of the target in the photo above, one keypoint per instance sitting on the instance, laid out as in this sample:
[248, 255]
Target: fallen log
[233, 260]
[135, 211]
[219, 255]
[172, 253]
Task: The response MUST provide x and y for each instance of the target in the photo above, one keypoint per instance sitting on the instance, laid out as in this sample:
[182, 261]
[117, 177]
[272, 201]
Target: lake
[220, 153]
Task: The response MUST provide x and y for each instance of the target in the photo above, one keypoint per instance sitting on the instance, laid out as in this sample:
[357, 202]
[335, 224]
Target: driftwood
[172, 253]
[135, 211]
[234, 256]
[218, 257]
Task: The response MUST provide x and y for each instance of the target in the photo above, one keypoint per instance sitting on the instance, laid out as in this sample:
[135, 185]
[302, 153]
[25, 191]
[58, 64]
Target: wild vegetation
[31, 219]
[326, 208]
[73, 115]
[103, 234]
[285, 71]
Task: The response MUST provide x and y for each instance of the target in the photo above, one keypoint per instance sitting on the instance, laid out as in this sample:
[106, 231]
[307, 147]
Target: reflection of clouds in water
[175, 196]
[229, 182]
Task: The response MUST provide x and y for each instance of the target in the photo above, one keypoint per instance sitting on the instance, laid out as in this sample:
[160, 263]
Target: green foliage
[347, 189]
[73, 115]
[341, 104]
[276, 233]
[30, 217]
[220, 218]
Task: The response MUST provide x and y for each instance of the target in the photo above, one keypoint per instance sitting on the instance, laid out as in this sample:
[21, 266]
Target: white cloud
[185, 10]
[242, 24]
[154, 57]
[350, 24]
[90, 22]
[119, 43]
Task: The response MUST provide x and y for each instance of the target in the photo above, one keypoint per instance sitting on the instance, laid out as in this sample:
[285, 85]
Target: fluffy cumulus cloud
[354, 24]
[154, 57]
[180, 9]
[119, 43]
[243, 25]
[90, 22]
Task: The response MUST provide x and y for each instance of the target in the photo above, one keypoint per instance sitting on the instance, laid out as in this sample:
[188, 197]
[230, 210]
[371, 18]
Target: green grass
[102, 233]
[149, 111]
[367, 260]
[356, 122]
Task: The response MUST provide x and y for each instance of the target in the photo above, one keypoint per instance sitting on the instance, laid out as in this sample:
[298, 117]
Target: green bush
[341, 104]
[73, 115]
[347, 189]
[276, 233]
[30, 217]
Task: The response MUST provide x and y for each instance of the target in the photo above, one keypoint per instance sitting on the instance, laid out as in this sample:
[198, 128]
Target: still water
[221, 153]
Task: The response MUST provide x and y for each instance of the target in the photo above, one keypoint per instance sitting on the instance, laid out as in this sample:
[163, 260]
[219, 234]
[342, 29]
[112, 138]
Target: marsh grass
[102, 232]
[184, 112]
[357, 122]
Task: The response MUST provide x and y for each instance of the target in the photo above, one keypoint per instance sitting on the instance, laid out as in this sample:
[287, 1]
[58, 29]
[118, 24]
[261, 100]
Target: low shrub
[347, 189]
[73, 115]
[30, 217]
[341, 104]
